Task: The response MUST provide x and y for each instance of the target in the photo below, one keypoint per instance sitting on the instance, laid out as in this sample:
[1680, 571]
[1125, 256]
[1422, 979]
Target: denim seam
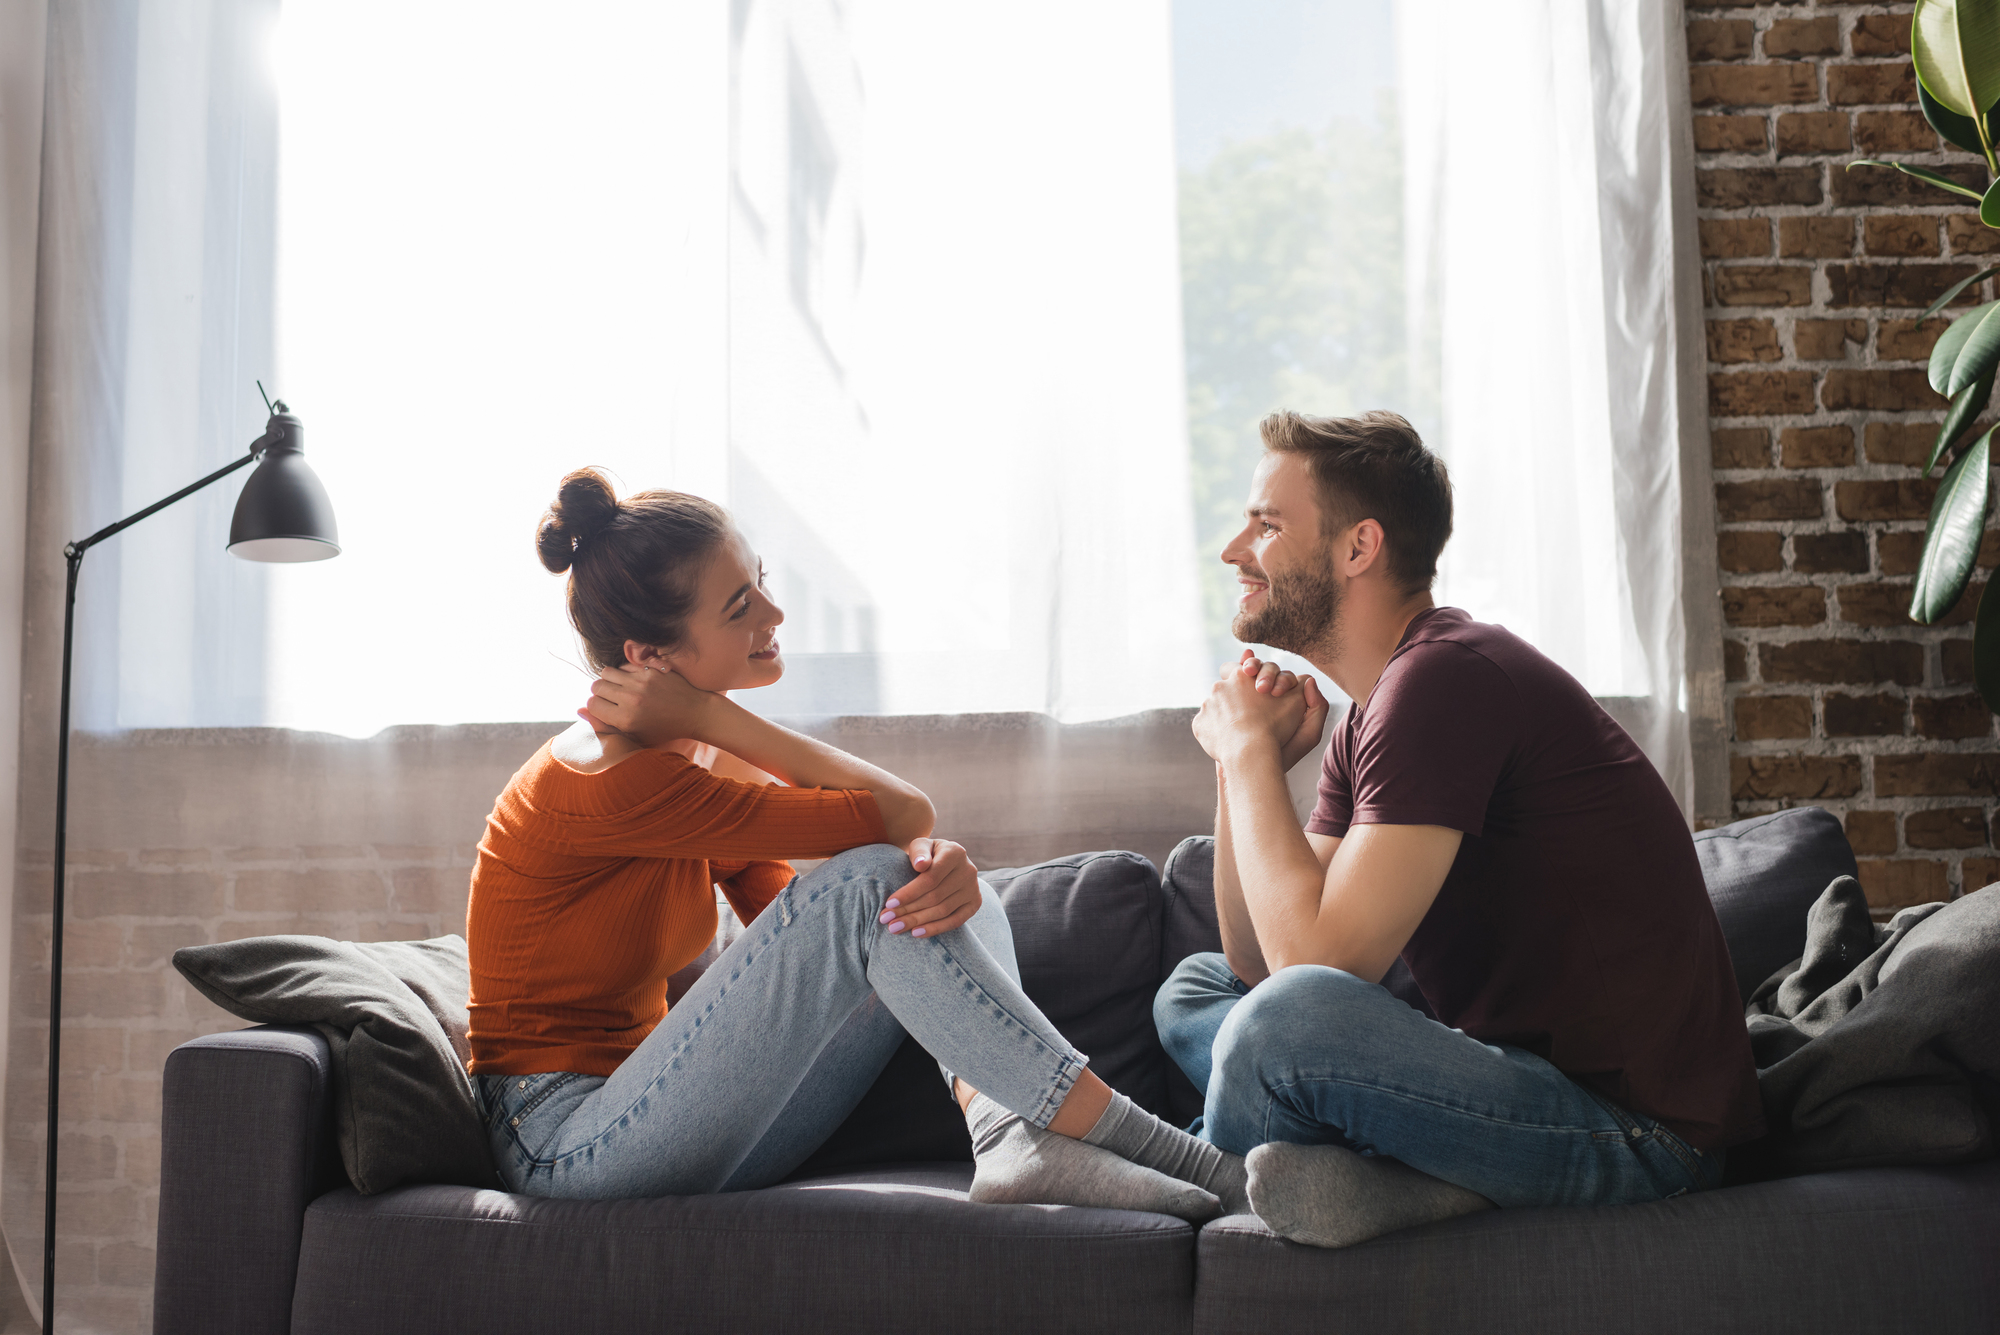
[1414, 1097]
[1069, 1065]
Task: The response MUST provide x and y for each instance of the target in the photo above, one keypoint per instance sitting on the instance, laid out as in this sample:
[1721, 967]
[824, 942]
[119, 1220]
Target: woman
[594, 884]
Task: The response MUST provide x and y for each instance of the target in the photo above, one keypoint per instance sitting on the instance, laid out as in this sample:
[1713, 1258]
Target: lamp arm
[83, 545]
[73, 553]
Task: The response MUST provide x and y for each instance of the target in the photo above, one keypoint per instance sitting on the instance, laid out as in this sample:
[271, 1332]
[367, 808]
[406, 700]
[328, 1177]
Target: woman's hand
[651, 705]
[943, 896]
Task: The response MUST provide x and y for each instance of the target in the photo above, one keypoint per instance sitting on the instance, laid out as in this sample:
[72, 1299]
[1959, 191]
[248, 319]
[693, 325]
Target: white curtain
[897, 282]
[1543, 270]
[153, 156]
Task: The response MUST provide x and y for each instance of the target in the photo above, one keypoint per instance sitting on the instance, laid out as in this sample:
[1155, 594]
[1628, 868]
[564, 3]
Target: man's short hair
[1375, 467]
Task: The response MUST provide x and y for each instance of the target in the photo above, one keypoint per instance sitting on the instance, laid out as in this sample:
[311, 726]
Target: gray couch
[260, 1232]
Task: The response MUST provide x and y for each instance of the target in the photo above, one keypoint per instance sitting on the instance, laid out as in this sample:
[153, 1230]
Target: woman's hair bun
[585, 506]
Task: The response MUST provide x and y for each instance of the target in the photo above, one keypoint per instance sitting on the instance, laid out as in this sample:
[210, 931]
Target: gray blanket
[1882, 1044]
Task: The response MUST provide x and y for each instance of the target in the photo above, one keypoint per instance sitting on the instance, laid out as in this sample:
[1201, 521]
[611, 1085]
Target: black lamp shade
[283, 513]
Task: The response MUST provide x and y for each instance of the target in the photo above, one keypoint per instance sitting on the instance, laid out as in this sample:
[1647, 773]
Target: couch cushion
[1087, 934]
[892, 1250]
[1763, 875]
[394, 1015]
[1870, 1249]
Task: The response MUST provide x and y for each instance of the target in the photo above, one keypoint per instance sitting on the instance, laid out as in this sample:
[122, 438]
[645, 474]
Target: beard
[1301, 614]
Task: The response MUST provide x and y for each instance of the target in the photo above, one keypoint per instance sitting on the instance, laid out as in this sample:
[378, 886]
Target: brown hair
[1375, 467]
[633, 564]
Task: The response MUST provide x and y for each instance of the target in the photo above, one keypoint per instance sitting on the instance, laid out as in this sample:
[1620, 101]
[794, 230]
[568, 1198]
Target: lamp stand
[74, 555]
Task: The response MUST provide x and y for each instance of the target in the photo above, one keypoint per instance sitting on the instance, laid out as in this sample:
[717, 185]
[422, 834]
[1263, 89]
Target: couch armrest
[246, 1143]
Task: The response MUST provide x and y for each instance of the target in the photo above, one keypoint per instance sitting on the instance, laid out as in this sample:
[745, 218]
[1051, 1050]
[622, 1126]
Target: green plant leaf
[1964, 408]
[1989, 206]
[1951, 540]
[1986, 647]
[1956, 129]
[1951, 294]
[1979, 354]
[1944, 353]
[1955, 45]
[1921, 173]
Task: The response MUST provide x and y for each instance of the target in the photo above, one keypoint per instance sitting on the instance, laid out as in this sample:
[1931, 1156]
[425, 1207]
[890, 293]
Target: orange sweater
[591, 889]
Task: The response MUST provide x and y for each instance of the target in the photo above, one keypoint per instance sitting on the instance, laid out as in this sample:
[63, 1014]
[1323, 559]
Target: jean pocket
[521, 1097]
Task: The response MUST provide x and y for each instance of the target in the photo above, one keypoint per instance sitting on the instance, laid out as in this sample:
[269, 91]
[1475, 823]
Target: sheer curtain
[1544, 266]
[897, 282]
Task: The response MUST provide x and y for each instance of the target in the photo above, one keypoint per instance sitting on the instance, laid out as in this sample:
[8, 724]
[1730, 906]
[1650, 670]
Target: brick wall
[1821, 417]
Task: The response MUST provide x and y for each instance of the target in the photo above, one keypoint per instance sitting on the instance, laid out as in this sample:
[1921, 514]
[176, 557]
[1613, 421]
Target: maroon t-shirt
[1574, 921]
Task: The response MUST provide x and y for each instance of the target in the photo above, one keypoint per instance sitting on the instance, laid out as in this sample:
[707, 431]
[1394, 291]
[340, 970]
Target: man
[1480, 817]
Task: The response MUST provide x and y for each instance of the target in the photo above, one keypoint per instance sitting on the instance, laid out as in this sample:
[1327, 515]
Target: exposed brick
[1952, 717]
[1799, 37]
[1844, 553]
[265, 891]
[1759, 85]
[1902, 340]
[428, 889]
[1871, 831]
[1960, 774]
[1720, 39]
[1897, 883]
[1877, 390]
[1762, 717]
[1885, 185]
[1735, 661]
[1969, 236]
[1730, 134]
[1882, 35]
[93, 945]
[1978, 873]
[1816, 446]
[1947, 827]
[1813, 132]
[1893, 132]
[157, 894]
[1743, 341]
[1827, 340]
[1863, 715]
[1795, 606]
[1735, 238]
[1880, 604]
[1843, 662]
[1877, 285]
[1890, 83]
[126, 1265]
[1898, 442]
[1900, 234]
[1905, 498]
[1744, 552]
[1816, 238]
[1740, 447]
[1775, 498]
[1763, 285]
[1764, 393]
[1753, 187]
[1761, 778]
[1956, 660]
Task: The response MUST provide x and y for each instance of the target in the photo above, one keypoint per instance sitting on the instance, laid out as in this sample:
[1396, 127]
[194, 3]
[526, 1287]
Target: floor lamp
[282, 515]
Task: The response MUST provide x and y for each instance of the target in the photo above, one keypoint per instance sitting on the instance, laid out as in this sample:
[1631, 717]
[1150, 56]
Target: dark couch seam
[1126, 1239]
[1522, 1230]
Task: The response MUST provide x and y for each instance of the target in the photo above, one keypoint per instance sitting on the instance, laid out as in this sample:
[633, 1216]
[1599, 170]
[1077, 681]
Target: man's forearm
[1279, 880]
[1239, 936]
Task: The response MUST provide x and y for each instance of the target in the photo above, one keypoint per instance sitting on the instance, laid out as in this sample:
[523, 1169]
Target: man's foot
[1327, 1196]
[1017, 1163]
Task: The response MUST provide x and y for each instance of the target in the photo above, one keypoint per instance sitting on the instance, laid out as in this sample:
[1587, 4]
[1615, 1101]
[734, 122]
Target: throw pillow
[394, 1013]
[1763, 876]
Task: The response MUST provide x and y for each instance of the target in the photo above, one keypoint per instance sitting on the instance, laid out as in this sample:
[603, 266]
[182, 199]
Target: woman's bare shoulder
[581, 749]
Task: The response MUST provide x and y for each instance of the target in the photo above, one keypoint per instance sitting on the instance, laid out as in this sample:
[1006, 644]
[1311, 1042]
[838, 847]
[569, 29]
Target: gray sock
[1018, 1163]
[1332, 1197]
[1132, 1133]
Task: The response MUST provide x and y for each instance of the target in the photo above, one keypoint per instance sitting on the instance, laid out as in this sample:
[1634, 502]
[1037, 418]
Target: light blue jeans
[1316, 1056]
[771, 1049]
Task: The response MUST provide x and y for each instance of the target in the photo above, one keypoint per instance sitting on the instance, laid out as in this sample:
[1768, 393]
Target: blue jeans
[771, 1049]
[1316, 1056]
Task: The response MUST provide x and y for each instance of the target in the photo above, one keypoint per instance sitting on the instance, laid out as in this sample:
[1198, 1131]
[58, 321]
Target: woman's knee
[883, 867]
